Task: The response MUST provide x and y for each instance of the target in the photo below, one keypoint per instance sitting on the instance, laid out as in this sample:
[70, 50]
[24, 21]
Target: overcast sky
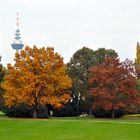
[68, 25]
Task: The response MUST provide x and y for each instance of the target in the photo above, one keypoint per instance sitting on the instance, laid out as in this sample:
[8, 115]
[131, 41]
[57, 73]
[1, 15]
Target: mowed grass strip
[61, 129]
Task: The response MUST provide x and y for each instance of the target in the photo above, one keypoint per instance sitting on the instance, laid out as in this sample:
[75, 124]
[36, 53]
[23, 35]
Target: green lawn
[70, 129]
[2, 115]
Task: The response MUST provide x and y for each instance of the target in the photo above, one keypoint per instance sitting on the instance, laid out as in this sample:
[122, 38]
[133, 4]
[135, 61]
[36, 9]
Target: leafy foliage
[102, 113]
[2, 73]
[138, 60]
[113, 85]
[38, 77]
[20, 111]
[102, 53]
[78, 67]
[78, 71]
[138, 53]
[25, 111]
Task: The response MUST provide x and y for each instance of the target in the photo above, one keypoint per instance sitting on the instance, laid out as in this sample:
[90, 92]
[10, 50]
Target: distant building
[17, 43]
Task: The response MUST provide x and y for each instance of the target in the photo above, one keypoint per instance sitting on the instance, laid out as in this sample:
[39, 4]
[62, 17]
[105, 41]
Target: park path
[101, 121]
[76, 120]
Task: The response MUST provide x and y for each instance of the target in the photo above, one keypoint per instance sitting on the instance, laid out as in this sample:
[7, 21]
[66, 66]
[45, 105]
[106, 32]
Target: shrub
[24, 111]
[42, 112]
[101, 113]
[21, 111]
[66, 111]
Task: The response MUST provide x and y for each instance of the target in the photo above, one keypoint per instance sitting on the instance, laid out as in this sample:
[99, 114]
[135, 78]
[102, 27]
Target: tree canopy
[78, 69]
[2, 73]
[113, 85]
[102, 53]
[137, 61]
[37, 77]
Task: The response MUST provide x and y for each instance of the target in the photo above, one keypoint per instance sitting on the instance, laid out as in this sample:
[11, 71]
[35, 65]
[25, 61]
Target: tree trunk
[90, 112]
[77, 108]
[113, 113]
[34, 114]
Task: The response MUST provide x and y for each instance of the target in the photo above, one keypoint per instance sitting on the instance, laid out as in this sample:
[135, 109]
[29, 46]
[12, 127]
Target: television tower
[17, 43]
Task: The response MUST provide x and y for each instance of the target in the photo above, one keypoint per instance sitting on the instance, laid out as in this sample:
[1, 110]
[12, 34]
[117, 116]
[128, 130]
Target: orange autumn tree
[113, 86]
[38, 77]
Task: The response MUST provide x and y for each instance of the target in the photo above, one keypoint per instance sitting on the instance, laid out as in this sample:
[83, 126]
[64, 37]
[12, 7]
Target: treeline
[97, 83]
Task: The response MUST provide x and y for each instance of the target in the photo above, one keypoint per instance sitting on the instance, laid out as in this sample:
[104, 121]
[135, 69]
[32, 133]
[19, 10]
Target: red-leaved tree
[112, 85]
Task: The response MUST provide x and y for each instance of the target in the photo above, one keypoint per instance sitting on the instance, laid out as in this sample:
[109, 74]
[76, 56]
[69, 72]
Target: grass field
[2, 115]
[70, 129]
